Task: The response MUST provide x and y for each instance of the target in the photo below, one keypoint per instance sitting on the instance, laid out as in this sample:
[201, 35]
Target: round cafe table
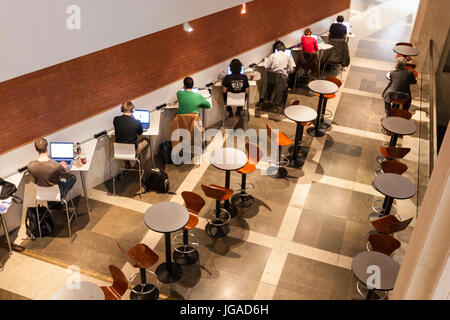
[406, 51]
[368, 265]
[392, 186]
[228, 159]
[322, 87]
[85, 291]
[398, 127]
[167, 217]
[299, 114]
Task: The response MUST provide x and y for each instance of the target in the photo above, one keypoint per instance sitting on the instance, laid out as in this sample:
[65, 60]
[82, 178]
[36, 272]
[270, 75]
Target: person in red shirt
[309, 44]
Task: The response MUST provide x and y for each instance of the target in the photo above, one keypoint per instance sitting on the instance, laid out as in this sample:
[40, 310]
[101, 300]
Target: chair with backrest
[392, 153]
[237, 100]
[53, 194]
[217, 218]
[382, 243]
[127, 152]
[281, 140]
[243, 198]
[186, 251]
[391, 166]
[389, 224]
[119, 285]
[142, 257]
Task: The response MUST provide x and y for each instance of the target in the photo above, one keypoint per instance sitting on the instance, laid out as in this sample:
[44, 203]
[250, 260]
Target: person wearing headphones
[128, 129]
[235, 83]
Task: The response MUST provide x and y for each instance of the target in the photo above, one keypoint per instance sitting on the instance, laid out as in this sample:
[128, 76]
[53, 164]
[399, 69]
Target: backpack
[166, 152]
[156, 180]
[8, 190]
[31, 222]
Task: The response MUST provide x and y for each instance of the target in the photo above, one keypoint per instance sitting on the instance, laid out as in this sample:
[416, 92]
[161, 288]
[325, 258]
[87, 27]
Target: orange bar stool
[142, 257]
[243, 198]
[391, 166]
[389, 225]
[281, 140]
[186, 252]
[325, 124]
[218, 218]
[119, 286]
[392, 153]
[382, 243]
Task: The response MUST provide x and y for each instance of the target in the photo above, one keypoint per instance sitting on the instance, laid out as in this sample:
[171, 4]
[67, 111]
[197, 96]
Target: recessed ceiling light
[244, 8]
[187, 27]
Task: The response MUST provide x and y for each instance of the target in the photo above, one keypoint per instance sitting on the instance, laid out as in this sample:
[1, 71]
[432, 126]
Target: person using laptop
[189, 101]
[127, 130]
[338, 30]
[47, 172]
[236, 82]
[309, 44]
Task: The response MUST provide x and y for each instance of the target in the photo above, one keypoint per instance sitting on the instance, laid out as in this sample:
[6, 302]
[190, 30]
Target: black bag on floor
[31, 223]
[156, 180]
[166, 152]
[8, 190]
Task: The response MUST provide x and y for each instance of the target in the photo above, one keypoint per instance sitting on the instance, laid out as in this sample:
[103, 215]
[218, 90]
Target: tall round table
[322, 87]
[228, 159]
[167, 217]
[406, 51]
[85, 291]
[299, 114]
[392, 186]
[399, 127]
[369, 265]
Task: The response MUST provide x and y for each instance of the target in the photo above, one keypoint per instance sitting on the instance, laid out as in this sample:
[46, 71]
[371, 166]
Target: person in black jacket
[399, 85]
[127, 129]
[235, 83]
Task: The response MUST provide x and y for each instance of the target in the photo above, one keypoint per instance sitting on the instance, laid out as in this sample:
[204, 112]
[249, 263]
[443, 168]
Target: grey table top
[388, 268]
[323, 87]
[394, 186]
[399, 125]
[86, 291]
[406, 51]
[166, 217]
[300, 113]
[228, 159]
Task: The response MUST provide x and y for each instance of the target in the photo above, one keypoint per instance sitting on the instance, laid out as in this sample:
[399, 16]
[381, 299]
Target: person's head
[400, 63]
[127, 107]
[188, 83]
[41, 145]
[235, 66]
[308, 32]
[281, 47]
[340, 19]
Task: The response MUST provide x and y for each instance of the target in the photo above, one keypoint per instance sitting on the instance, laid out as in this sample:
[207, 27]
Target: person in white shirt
[280, 62]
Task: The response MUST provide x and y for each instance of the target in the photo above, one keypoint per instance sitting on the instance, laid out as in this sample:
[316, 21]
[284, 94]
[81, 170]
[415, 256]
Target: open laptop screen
[315, 36]
[61, 150]
[193, 90]
[142, 115]
[286, 52]
[242, 70]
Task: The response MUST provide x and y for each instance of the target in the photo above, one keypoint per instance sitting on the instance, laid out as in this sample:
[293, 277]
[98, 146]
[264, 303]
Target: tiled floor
[298, 239]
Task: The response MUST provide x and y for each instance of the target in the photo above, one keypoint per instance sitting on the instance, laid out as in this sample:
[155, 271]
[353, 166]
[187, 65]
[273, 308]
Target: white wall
[33, 33]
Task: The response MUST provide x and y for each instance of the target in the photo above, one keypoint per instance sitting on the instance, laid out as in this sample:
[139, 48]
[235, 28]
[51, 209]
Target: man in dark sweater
[127, 129]
[338, 30]
[47, 172]
[235, 83]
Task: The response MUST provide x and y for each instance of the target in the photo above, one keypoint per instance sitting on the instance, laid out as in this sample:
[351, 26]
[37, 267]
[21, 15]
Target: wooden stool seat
[394, 152]
[395, 112]
[393, 166]
[384, 243]
[390, 224]
[140, 256]
[119, 286]
[192, 222]
[216, 192]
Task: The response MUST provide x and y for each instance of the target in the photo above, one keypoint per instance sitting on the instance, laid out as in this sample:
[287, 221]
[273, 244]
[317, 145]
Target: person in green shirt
[189, 101]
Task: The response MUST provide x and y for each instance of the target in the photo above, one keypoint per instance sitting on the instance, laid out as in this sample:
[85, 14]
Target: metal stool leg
[5, 229]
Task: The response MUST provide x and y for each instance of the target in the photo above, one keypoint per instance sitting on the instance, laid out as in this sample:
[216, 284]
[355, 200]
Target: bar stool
[243, 198]
[236, 100]
[382, 243]
[395, 112]
[392, 153]
[127, 152]
[119, 285]
[391, 166]
[325, 124]
[410, 68]
[281, 139]
[53, 194]
[186, 252]
[217, 218]
[408, 58]
[389, 225]
[142, 257]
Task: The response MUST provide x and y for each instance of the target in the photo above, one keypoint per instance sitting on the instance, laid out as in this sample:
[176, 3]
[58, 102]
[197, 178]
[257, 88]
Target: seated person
[235, 83]
[338, 30]
[400, 82]
[127, 129]
[188, 101]
[309, 44]
[47, 172]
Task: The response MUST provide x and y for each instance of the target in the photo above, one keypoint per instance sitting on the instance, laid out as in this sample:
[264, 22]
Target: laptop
[62, 151]
[286, 52]
[144, 117]
[242, 70]
[315, 36]
[193, 90]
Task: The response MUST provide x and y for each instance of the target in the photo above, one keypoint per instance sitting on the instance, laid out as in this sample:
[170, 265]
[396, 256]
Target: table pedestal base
[164, 275]
[153, 295]
[301, 149]
[186, 258]
[217, 232]
[277, 172]
[316, 133]
[325, 124]
[298, 162]
[242, 201]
